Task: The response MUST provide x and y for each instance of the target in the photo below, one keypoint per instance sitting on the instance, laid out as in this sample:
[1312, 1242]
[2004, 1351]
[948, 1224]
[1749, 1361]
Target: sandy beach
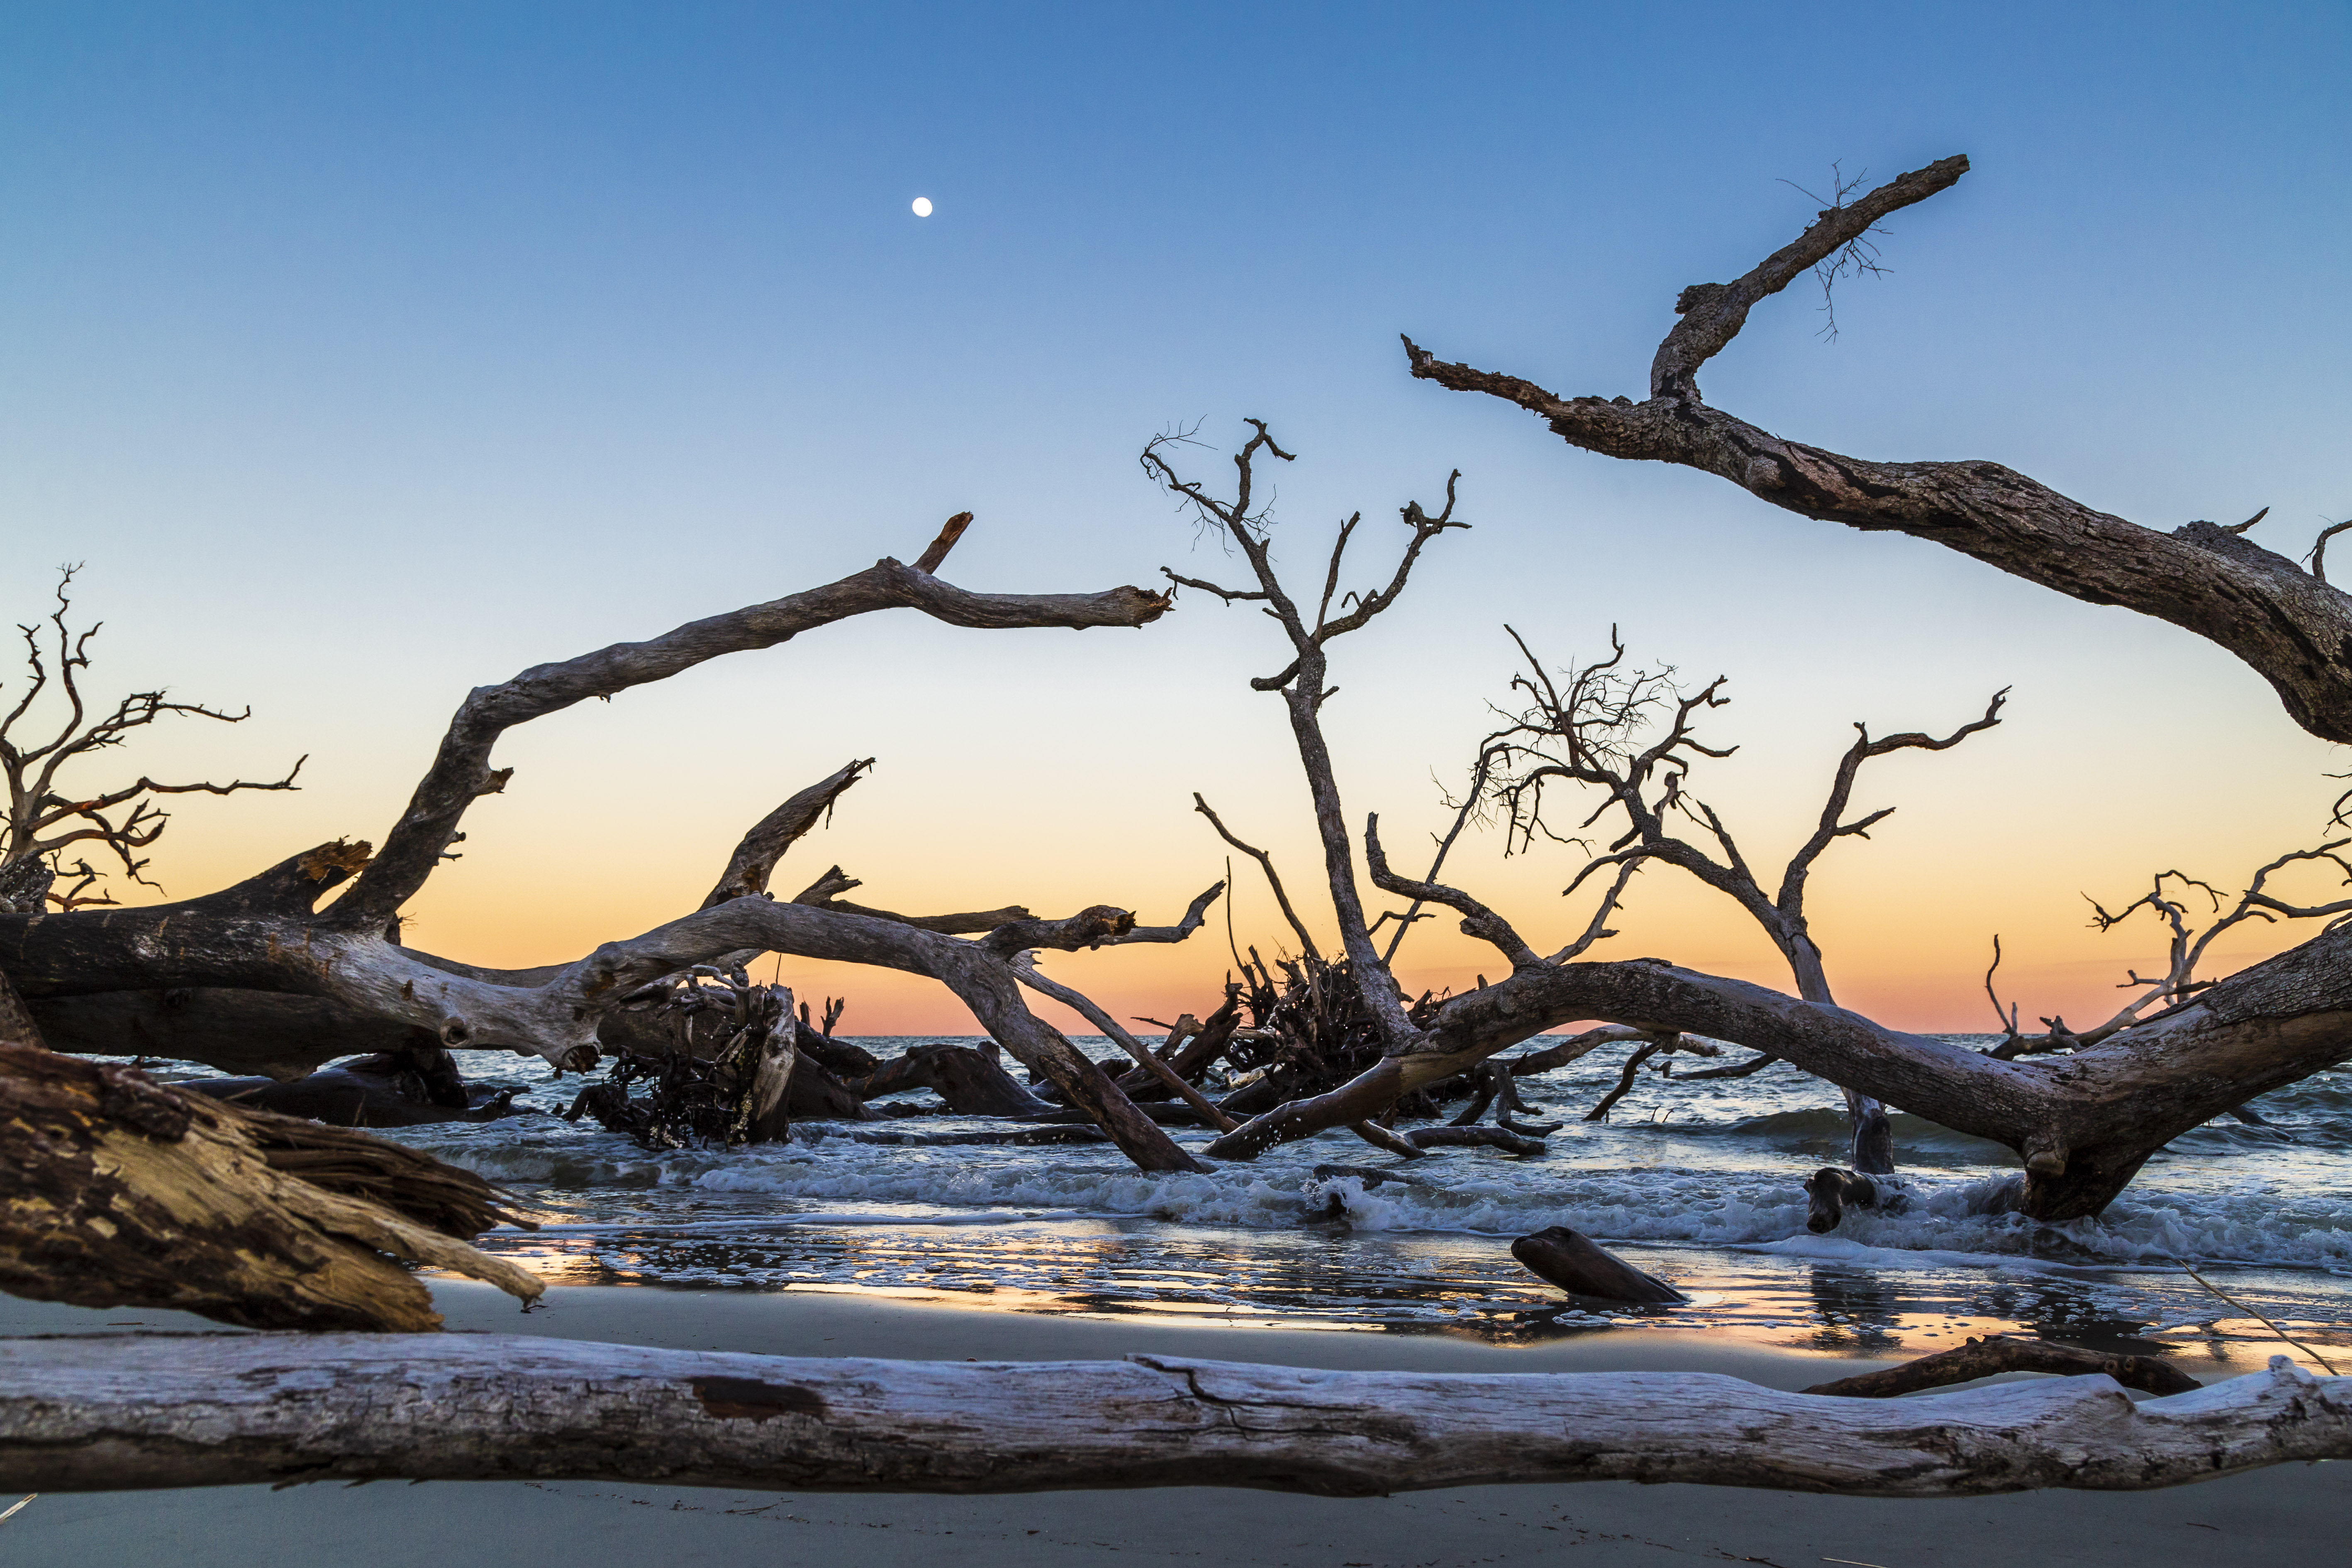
[2282, 1515]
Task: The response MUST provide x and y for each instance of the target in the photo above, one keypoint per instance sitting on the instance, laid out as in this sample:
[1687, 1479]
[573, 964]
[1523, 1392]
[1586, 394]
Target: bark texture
[126, 1193]
[107, 1413]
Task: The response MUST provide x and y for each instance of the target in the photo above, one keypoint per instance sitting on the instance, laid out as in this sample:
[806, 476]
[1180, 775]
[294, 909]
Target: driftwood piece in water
[388, 1090]
[1370, 1175]
[1988, 1357]
[1013, 1137]
[1574, 1048]
[98, 1413]
[124, 1192]
[1580, 1267]
[1829, 1190]
[1509, 1142]
[967, 1079]
[816, 1095]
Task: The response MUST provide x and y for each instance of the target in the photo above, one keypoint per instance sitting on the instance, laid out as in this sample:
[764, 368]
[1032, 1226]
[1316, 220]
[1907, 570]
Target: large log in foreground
[97, 1413]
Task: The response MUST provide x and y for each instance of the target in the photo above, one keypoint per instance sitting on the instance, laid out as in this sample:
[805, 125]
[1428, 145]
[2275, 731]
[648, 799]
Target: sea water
[1698, 1182]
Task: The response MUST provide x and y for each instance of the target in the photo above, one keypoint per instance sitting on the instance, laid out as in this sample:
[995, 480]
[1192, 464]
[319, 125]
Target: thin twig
[2258, 1317]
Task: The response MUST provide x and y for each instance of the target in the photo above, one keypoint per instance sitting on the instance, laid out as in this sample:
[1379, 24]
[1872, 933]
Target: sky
[366, 354]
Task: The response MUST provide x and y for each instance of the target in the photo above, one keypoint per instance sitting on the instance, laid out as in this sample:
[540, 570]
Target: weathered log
[122, 1192]
[242, 1031]
[1501, 1138]
[817, 1095]
[1580, 1267]
[100, 1413]
[1990, 1356]
[969, 1083]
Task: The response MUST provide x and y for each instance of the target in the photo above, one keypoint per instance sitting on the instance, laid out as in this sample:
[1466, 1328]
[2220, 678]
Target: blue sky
[369, 352]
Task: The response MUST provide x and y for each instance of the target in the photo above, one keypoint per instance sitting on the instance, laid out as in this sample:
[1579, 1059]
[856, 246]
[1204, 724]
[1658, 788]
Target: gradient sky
[366, 354]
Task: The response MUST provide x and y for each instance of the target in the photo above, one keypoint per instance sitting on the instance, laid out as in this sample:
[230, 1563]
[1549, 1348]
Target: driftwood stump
[1581, 1268]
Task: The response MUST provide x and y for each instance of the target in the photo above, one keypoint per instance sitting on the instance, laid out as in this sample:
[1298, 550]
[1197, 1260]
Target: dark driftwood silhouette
[1580, 1267]
[1989, 1357]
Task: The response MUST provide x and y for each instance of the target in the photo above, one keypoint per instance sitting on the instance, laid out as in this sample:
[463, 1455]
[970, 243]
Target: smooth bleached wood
[106, 1414]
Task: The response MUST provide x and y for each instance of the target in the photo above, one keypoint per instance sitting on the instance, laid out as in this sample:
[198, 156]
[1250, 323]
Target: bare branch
[754, 860]
[2318, 555]
[1477, 920]
[1265, 863]
[935, 554]
[1193, 915]
[1713, 313]
[822, 894]
[461, 773]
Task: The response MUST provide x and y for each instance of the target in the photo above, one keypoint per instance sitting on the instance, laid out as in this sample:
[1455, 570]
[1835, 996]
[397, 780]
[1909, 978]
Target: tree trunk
[100, 1414]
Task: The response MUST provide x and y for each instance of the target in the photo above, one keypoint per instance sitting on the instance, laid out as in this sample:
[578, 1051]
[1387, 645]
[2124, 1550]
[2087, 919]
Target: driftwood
[404, 1088]
[1988, 1357]
[100, 1414]
[1830, 1190]
[2287, 625]
[1580, 1267]
[2082, 1129]
[124, 1192]
[1501, 1138]
[270, 935]
[969, 1083]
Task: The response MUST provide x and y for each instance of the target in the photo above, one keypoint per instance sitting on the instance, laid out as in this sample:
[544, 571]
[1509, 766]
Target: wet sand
[2286, 1514]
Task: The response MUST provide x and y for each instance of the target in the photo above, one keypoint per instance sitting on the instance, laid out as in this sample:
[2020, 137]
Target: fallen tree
[108, 1414]
[271, 934]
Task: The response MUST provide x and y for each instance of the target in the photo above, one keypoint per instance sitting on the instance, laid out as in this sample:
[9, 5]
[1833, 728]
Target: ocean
[1697, 1182]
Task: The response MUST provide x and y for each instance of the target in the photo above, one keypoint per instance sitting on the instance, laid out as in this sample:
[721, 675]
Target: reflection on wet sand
[1323, 1277]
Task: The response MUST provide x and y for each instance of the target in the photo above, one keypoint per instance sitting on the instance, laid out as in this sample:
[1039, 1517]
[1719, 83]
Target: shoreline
[2289, 1513]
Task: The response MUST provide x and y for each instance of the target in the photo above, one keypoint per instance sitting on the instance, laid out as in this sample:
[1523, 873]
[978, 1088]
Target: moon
[922, 207]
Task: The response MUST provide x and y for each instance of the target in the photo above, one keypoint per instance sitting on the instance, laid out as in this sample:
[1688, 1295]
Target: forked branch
[2289, 625]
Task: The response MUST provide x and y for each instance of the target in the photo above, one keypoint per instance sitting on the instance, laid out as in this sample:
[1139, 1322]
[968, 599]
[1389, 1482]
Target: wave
[2269, 1220]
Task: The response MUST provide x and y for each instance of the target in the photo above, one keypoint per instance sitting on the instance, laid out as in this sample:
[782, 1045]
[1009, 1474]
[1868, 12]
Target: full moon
[922, 207]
